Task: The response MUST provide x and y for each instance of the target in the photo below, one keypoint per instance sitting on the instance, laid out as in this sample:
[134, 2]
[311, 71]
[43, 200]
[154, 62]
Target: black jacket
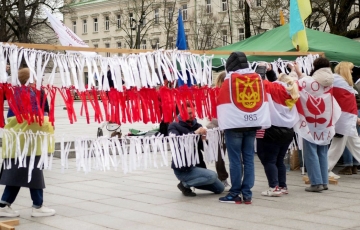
[180, 128]
[278, 134]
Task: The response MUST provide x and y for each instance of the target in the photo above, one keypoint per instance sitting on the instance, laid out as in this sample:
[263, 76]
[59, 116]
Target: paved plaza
[149, 199]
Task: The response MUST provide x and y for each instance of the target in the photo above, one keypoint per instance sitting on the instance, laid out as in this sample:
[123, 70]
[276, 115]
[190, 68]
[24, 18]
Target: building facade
[149, 24]
[152, 24]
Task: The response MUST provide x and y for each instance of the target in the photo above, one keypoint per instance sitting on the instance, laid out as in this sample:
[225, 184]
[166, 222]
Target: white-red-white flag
[282, 109]
[66, 36]
[345, 97]
[242, 101]
[318, 112]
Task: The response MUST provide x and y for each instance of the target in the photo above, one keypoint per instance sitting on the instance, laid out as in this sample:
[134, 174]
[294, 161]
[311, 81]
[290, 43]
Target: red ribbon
[52, 91]
[105, 102]
[69, 103]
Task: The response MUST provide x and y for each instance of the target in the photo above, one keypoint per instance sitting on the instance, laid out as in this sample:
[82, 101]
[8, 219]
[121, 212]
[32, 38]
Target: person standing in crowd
[349, 162]
[194, 176]
[273, 143]
[220, 164]
[315, 149]
[17, 177]
[346, 126]
[240, 124]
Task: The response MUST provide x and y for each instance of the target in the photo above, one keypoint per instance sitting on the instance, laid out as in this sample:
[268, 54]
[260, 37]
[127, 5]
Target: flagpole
[247, 21]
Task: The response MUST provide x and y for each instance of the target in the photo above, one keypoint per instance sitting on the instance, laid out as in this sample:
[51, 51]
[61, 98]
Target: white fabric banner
[318, 111]
[66, 36]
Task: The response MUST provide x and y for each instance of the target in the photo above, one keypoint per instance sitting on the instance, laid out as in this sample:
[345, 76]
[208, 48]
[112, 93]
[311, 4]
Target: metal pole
[230, 27]
[138, 37]
[196, 32]
[247, 21]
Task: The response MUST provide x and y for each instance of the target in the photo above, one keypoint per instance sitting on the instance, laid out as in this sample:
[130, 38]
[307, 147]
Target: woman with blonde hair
[344, 93]
[344, 69]
[16, 177]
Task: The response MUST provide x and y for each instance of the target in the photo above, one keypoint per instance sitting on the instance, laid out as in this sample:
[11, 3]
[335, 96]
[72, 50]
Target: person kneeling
[194, 176]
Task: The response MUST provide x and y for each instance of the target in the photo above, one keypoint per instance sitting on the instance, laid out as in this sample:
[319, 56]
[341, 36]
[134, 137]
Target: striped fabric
[260, 133]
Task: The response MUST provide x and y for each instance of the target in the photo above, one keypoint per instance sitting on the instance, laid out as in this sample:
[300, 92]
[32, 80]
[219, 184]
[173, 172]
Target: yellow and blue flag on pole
[299, 11]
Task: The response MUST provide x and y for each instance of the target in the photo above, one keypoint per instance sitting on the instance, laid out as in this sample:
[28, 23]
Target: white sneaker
[284, 190]
[43, 211]
[272, 192]
[8, 212]
[331, 174]
[225, 182]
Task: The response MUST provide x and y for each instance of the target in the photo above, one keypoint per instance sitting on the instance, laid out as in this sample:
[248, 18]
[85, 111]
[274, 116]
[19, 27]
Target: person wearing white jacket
[346, 126]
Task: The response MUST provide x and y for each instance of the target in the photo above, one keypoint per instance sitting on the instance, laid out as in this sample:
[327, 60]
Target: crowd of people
[259, 110]
[321, 110]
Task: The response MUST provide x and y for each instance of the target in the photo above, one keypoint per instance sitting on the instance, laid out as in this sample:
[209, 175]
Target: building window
[143, 44]
[118, 21]
[316, 25]
[241, 4]
[96, 45]
[171, 43]
[143, 22]
[156, 16]
[224, 5]
[224, 37]
[258, 2]
[96, 25]
[74, 26]
[107, 45]
[118, 44]
[131, 20]
[157, 44]
[208, 6]
[184, 12]
[170, 13]
[241, 34]
[84, 26]
[107, 23]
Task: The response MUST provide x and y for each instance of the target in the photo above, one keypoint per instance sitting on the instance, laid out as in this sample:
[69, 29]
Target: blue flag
[181, 45]
[181, 38]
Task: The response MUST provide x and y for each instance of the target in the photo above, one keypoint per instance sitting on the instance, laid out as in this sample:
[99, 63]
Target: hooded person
[318, 111]
[242, 109]
[244, 104]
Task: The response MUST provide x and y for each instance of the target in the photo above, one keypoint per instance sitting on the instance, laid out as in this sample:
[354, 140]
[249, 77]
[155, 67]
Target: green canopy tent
[336, 48]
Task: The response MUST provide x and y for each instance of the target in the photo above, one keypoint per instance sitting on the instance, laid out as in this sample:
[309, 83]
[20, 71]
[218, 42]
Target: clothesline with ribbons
[134, 97]
[103, 153]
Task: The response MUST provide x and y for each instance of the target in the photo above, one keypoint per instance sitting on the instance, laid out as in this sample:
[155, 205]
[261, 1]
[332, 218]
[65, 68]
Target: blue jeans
[200, 178]
[272, 156]
[10, 193]
[316, 162]
[348, 158]
[240, 146]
